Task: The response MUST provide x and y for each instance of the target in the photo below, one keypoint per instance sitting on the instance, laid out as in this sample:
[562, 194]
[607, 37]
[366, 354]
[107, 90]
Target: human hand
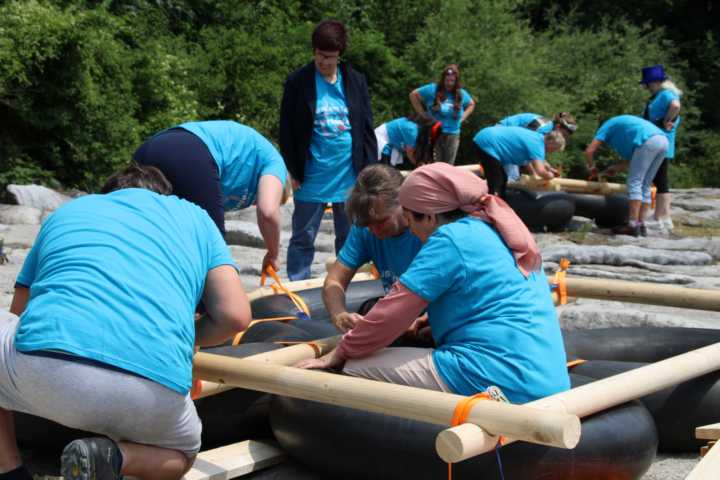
[345, 321]
[295, 184]
[420, 329]
[269, 261]
[668, 126]
[329, 360]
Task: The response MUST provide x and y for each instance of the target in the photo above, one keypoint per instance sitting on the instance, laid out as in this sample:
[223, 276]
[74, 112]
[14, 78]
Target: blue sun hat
[656, 73]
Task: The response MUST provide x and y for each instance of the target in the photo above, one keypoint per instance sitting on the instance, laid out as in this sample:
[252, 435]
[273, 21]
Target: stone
[37, 196]
[19, 214]
[623, 255]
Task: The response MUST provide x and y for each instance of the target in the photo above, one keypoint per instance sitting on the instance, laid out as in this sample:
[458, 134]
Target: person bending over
[479, 274]
[498, 146]
[222, 165]
[105, 336]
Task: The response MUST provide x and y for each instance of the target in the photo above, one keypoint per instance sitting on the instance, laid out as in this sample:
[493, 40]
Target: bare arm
[228, 308]
[416, 101]
[468, 111]
[671, 115]
[410, 152]
[333, 295]
[19, 300]
[538, 168]
[590, 154]
[270, 191]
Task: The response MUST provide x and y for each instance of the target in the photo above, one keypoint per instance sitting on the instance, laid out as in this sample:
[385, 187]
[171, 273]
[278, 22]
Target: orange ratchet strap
[559, 281]
[462, 410]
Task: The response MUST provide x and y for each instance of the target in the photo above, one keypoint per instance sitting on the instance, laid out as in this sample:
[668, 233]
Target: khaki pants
[413, 367]
[446, 148]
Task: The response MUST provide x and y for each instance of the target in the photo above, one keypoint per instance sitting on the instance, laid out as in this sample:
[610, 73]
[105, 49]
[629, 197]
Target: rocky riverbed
[688, 257]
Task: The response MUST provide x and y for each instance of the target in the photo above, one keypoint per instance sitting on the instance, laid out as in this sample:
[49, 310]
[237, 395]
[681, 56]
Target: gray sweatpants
[118, 405]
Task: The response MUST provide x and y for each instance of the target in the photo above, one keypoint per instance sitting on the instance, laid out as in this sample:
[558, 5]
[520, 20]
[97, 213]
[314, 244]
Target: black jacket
[297, 115]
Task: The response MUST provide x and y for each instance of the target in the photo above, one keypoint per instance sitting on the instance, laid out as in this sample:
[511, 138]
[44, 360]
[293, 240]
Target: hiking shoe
[96, 458]
[632, 230]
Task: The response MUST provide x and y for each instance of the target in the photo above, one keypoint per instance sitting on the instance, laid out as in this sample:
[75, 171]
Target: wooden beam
[284, 356]
[456, 444]
[708, 432]
[709, 466]
[517, 421]
[235, 460]
[642, 292]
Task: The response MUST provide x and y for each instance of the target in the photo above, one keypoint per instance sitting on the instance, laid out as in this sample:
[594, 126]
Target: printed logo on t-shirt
[331, 120]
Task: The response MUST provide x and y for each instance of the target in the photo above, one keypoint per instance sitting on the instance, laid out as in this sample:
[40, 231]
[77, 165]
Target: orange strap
[316, 348]
[462, 410]
[559, 281]
[573, 363]
[435, 132]
[279, 287]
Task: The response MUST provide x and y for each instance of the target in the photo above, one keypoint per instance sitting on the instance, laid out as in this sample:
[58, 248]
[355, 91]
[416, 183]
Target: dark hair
[424, 142]
[440, 94]
[377, 181]
[138, 176]
[444, 217]
[330, 35]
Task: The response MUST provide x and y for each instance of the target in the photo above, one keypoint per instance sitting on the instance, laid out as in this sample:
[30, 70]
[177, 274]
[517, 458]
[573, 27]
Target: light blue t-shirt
[402, 133]
[625, 133]
[330, 173]
[446, 114]
[657, 108]
[391, 256]
[491, 325]
[525, 119]
[511, 145]
[116, 278]
[242, 156]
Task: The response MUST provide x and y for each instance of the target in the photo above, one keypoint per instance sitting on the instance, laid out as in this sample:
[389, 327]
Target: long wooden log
[517, 421]
[456, 444]
[284, 356]
[639, 292]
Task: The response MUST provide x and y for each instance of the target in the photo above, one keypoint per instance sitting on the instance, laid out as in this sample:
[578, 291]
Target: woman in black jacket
[326, 138]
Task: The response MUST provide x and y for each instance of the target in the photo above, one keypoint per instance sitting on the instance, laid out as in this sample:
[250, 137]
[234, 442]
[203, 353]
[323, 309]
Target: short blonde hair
[555, 140]
[669, 85]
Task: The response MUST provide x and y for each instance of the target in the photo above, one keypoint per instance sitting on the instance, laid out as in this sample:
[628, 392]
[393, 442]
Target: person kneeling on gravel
[105, 335]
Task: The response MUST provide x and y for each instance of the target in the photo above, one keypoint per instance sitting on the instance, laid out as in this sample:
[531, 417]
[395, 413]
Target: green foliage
[83, 82]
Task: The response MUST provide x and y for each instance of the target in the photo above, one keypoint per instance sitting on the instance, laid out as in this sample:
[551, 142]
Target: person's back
[491, 324]
[115, 278]
[511, 145]
[625, 133]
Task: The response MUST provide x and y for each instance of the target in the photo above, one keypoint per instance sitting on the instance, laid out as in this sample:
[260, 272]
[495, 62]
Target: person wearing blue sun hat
[663, 110]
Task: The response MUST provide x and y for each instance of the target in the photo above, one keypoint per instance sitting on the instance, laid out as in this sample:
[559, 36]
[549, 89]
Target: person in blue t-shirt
[490, 311]
[222, 165]
[663, 110]
[643, 146]
[410, 137]
[104, 342]
[498, 146]
[563, 122]
[380, 235]
[326, 138]
[449, 103]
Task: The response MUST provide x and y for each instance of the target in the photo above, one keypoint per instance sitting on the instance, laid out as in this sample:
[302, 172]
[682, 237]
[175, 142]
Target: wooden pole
[708, 467]
[594, 397]
[517, 421]
[284, 356]
[639, 292]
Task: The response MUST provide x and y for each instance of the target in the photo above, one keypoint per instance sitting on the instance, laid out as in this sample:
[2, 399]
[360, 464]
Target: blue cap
[656, 73]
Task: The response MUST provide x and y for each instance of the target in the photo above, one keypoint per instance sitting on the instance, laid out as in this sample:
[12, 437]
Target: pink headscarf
[441, 187]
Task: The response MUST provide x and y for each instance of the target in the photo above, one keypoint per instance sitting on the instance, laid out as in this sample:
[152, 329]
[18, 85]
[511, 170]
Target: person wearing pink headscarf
[479, 274]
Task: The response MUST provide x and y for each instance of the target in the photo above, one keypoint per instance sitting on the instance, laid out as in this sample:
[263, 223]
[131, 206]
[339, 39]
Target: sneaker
[633, 230]
[96, 458]
[667, 223]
